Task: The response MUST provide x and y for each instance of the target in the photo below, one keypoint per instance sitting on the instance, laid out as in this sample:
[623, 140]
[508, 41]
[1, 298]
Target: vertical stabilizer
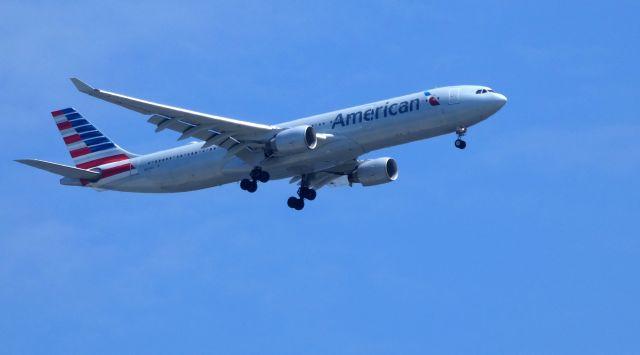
[88, 146]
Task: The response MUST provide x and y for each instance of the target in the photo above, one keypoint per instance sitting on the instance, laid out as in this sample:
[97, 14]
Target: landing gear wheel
[264, 176]
[295, 203]
[244, 184]
[260, 175]
[460, 144]
[311, 195]
[248, 185]
[304, 192]
[253, 186]
[292, 202]
[255, 173]
[307, 193]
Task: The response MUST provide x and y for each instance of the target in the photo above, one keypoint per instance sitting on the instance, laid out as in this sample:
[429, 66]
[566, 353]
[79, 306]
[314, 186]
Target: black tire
[460, 144]
[307, 193]
[310, 194]
[264, 176]
[255, 174]
[252, 187]
[244, 184]
[299, 204]
[292, 202]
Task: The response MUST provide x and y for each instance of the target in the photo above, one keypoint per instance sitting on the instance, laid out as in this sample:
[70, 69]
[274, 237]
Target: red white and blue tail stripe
[88, 147]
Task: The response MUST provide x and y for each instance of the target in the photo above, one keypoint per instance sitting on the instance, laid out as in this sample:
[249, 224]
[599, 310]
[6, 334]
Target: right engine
[375, 172]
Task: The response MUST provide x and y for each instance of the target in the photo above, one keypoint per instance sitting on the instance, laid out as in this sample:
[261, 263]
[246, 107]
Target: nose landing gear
[459, 143]
[257, 174]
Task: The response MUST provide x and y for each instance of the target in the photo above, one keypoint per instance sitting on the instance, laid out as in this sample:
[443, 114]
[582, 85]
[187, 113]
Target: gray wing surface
[231, 134]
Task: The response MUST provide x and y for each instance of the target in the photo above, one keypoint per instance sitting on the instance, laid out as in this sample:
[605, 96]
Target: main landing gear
[257, 174]
[459, 143]
[304, 193]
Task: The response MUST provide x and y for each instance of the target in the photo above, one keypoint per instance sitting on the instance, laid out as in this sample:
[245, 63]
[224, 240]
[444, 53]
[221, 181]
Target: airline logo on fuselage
[397, 108]
[370, 114]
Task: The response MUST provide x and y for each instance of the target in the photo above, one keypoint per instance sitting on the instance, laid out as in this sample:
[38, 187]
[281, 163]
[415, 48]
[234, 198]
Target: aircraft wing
[234, 135]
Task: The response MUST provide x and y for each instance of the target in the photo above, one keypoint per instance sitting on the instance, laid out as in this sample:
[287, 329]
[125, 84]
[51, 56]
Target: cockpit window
[483, 91]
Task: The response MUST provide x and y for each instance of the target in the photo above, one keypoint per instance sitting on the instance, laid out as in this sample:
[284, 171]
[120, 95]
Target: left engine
[293, 140]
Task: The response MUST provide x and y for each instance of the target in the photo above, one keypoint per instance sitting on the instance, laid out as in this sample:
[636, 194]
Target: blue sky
[524, 243]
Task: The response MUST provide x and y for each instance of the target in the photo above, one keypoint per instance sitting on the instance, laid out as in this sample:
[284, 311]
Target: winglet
[81, 86]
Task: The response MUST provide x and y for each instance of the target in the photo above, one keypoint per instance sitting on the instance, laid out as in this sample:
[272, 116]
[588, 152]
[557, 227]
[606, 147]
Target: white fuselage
[343, 135]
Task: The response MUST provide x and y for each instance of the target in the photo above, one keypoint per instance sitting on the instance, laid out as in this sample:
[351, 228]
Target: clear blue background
[524, 243]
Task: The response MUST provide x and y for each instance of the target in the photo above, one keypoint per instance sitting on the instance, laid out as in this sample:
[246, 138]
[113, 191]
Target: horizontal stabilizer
[60, 169]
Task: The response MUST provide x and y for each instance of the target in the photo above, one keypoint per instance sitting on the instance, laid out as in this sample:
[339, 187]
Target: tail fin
[87, 146]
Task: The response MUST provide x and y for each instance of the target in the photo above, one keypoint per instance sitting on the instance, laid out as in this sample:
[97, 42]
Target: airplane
[316, 151]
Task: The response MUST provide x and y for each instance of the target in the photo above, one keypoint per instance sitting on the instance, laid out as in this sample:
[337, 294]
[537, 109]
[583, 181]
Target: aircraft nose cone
[500, 100]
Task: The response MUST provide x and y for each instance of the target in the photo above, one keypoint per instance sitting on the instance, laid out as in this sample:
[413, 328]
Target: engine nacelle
[375, 172]
[293, 140]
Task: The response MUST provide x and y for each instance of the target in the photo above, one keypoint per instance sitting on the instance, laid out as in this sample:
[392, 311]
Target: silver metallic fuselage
[340, 139]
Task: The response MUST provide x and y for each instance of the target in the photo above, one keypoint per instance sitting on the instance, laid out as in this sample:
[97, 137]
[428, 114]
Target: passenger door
[454, 96]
